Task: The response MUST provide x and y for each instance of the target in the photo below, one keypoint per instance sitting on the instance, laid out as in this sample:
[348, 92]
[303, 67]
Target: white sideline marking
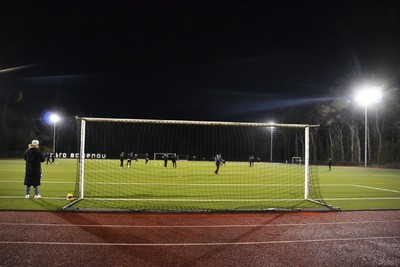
[376, 188]
[165, 184]
[14, 197]
[364, 198]
[195, 226]
[194, 200]
[203, 244]
[183, 184]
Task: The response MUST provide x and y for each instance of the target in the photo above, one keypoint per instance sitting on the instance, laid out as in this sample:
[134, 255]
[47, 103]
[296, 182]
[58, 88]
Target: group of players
[129, 159]
[219, 161]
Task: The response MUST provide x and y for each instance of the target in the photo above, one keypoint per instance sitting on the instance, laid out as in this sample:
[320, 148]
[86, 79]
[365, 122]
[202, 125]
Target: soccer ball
[70, 196]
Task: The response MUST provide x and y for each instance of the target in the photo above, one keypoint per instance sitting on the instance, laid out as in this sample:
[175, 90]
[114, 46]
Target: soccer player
[121, 159]
[129, 160]
[165, 158]
[218, 161]
[251, 161]
[146, 158]
[33, 169]
[330, 164]
[48, 158]
[173, 158]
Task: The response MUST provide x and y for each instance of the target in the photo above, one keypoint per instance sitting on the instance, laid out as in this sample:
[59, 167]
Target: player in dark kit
[218, 161]
[165, 158]
[251, 161]
[146, 158]
[129, 160]
[48, 158]
[121, 159]
[330, 164]
[173, 159]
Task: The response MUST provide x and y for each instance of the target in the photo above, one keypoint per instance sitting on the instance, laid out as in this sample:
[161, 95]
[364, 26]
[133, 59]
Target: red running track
[361, 238]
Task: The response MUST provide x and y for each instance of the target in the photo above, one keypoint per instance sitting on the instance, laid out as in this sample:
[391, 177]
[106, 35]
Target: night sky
[203, 60]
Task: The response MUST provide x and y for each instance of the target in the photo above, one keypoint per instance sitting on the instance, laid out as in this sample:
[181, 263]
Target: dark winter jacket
[33, 170]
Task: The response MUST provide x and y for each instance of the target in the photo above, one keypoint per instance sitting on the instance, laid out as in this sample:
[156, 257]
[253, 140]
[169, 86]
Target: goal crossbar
[217, 123]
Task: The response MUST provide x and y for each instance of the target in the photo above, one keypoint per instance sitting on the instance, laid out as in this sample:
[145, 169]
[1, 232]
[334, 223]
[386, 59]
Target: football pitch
[348, 188]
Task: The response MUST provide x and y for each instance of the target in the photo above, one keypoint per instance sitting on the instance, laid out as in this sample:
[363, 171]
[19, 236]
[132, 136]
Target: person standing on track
[33, 168]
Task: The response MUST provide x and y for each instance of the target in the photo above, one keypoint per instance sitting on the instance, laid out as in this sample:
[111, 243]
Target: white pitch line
[204, 244]
[17, 197]
[362, 198]
[183, 184]
[211, 200]
[197, 226]
[42, 181]
[376, 188]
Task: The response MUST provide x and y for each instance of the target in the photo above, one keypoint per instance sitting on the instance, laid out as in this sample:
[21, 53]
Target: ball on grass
[70, 196]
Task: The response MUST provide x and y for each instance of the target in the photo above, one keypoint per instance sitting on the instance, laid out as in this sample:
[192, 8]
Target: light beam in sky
[18, 68]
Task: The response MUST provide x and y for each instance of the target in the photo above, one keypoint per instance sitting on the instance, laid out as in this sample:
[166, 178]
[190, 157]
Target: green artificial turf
[152, 187]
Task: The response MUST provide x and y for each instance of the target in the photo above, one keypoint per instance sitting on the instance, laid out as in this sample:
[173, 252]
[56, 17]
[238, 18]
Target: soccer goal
[194, 185]
[296, 160]
[160, 156]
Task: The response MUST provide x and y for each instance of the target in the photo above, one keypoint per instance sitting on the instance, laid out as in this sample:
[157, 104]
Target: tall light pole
[54, 118]
[368, 96]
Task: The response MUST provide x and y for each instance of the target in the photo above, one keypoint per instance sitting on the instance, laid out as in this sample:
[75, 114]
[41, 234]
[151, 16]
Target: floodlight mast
[54, 118]
[366, 97]
[272, 138]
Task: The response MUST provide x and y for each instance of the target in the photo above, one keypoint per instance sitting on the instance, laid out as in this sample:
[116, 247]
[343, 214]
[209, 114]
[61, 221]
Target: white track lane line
[205, 244]
[193, 226]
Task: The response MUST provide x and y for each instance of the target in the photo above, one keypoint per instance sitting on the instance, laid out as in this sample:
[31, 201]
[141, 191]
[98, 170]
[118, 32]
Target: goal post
[221, 177]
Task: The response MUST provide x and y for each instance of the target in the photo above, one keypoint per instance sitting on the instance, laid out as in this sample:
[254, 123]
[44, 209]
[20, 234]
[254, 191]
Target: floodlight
[369, 95]
[366, 97]
[54, 118]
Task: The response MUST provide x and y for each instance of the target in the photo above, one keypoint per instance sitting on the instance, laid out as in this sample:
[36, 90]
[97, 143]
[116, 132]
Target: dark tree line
[341, 135]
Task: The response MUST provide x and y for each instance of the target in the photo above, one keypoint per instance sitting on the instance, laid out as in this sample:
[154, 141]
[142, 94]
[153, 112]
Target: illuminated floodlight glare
[271, 127]
[54, 118]
[369, 95]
